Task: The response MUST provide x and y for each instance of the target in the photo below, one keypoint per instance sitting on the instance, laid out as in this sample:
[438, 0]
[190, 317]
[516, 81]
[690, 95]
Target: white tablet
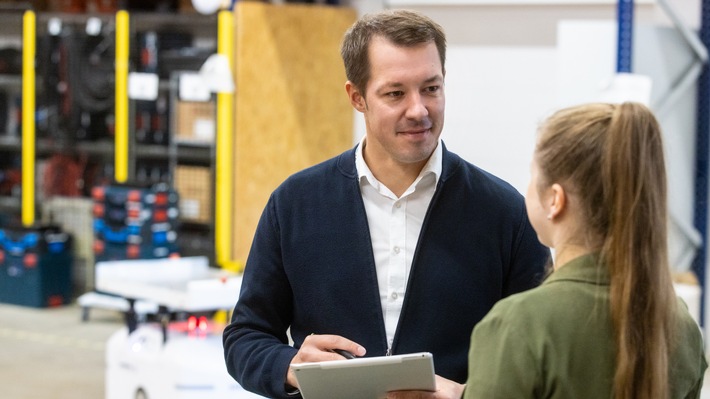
[367, 377]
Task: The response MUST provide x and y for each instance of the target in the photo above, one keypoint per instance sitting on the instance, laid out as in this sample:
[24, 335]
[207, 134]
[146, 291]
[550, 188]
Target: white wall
[494, 105]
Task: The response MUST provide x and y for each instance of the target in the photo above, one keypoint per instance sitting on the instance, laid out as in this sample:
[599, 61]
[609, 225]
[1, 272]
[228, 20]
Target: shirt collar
[586, 268]
[433, 165]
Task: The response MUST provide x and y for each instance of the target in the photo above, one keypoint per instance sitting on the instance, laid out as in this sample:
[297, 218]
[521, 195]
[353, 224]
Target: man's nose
[416, 108]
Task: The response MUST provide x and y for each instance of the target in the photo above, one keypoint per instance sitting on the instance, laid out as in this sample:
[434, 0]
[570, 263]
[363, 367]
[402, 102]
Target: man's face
[403, 104]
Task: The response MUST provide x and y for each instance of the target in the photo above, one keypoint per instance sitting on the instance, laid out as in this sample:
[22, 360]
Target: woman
[606, 323]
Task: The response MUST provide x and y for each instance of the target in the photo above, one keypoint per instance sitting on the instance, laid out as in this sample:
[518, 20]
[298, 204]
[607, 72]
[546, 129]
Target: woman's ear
[557, 201]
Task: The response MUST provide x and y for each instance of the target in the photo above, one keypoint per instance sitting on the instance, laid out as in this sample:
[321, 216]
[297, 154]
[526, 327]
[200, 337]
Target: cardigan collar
[449, 165]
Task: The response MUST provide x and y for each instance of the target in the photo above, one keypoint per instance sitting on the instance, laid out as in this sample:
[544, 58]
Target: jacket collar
[585, 269]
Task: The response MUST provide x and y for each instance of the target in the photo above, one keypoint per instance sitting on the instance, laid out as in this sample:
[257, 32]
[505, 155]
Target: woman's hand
[445, 389]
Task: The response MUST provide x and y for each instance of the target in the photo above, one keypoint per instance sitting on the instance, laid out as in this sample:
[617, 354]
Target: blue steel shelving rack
[701, 159]
[625, 17]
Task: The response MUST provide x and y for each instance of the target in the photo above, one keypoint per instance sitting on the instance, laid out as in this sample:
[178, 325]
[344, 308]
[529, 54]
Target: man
[395, 246]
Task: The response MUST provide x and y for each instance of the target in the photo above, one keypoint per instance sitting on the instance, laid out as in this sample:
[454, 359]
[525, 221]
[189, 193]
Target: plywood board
[291, 109]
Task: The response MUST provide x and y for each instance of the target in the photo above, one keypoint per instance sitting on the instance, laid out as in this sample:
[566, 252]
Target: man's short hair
[401, 27]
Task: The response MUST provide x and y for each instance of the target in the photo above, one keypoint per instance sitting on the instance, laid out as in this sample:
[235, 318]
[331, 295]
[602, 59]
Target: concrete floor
[51, 354]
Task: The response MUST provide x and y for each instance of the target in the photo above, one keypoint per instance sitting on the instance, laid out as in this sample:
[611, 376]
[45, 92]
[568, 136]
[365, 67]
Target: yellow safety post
[121, 121]
[29, 33]
[224, 177]
[221, 317]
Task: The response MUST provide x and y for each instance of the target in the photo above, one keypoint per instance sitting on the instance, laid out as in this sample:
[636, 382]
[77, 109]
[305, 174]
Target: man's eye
[432, 89]
[395, 94]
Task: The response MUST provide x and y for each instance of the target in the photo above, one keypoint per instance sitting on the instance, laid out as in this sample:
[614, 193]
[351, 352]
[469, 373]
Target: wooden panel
[291, 109]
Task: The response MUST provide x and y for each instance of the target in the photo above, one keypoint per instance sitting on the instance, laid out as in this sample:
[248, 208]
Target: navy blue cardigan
[311, 269]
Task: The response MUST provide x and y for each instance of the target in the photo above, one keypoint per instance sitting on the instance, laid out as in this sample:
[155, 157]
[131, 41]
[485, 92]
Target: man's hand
[445, 389]
[318, 348]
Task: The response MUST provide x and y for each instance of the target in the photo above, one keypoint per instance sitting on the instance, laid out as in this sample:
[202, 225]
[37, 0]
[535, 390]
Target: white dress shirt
[395, 224]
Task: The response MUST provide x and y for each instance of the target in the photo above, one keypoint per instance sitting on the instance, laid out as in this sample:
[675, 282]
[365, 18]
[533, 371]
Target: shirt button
[396, 250]
[397, 205]
[393, 296]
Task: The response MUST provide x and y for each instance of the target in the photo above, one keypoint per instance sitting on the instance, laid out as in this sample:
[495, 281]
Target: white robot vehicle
[177, 353]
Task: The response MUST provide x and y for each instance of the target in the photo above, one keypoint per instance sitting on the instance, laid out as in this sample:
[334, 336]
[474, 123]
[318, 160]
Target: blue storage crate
[135, 222]
[35, 266]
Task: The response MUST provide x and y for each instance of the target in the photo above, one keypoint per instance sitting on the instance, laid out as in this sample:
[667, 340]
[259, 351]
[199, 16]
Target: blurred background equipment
[135, 222]
[35, 266]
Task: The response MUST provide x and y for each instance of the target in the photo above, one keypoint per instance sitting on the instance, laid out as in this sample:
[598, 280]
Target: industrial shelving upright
[10, 90]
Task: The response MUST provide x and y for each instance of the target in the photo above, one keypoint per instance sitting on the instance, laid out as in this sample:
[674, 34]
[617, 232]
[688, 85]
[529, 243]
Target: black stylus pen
[344, 353]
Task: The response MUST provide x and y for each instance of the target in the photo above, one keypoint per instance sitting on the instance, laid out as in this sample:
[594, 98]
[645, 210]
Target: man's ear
[356, 98]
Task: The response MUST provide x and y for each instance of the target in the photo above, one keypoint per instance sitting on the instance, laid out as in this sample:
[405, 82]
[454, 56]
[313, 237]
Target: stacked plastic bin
[35, 266]
[135, 222]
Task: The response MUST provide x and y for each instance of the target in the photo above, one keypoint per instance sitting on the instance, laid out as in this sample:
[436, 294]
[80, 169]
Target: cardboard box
[74, 216]
[194, 186]
[195, 122]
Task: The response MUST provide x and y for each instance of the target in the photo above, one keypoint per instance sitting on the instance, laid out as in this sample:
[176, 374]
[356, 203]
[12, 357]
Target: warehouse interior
[123, 111]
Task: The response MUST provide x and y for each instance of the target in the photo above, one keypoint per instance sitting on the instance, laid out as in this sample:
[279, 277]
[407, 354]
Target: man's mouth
[416, 131]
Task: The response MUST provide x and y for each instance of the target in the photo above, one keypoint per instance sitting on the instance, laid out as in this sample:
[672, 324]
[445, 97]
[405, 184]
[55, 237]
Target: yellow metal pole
[224, 176]
[29, 33]
[121, 123]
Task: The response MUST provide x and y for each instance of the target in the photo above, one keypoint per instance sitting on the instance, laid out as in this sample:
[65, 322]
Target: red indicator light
[55, 300]
[97, 193]
[99, 246]
[161, 199]
[134, 195]
[133, 251]
[160, 215]
[30, 260]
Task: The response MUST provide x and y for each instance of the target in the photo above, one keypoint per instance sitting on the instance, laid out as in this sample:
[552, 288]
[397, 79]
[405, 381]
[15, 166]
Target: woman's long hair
[610, 157]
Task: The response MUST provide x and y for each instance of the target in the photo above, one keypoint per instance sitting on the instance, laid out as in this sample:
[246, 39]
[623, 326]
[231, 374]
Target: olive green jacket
[555, 341]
